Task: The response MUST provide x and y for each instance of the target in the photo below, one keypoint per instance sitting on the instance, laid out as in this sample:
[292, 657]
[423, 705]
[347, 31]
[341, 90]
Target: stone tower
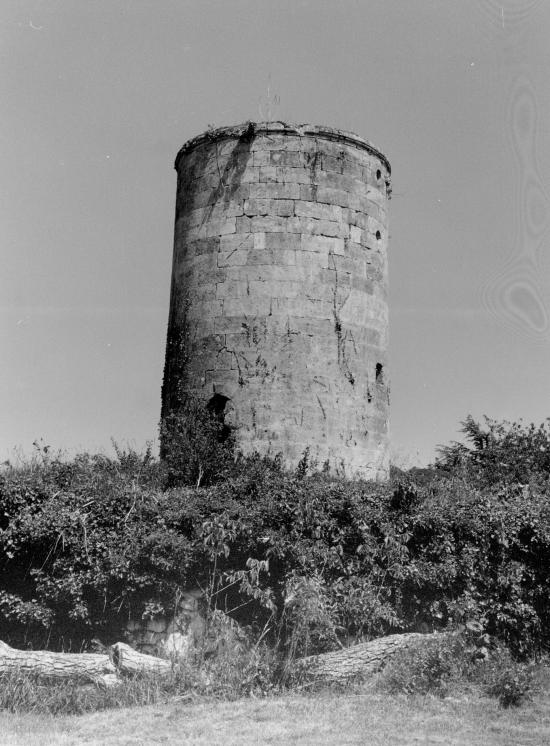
[279, 300]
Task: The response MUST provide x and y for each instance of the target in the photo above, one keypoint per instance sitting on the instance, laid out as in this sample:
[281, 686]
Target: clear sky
[99, 95]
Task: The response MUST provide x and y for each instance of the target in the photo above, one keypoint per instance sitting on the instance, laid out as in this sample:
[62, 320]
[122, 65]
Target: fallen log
[339, 666]
[360, 660]
[126, 660]
[44, 664]
[99, 668]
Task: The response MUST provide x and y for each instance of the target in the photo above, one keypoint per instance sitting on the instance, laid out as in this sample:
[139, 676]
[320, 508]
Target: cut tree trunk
[81, 667]
[127, 660]
[42, 663]
[359, 660]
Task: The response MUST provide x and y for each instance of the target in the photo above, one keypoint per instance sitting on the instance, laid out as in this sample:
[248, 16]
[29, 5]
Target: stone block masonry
[279, 300]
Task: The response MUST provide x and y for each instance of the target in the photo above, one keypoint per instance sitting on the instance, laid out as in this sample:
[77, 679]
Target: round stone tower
[279, 301]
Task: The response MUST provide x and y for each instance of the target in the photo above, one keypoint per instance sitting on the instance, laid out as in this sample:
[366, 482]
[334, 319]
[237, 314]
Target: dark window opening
[216, 406]
[379, 174]
[378, 235]
[379, 373]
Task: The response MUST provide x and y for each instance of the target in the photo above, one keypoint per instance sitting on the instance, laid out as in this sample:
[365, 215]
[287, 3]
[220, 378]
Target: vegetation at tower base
[307, 561]
[197, 446]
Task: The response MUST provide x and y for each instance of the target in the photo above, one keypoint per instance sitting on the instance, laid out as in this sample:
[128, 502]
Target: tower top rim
[251, 129]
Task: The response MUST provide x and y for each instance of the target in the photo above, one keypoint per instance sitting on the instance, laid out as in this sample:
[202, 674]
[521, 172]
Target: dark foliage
[197, 445]
[311, 560]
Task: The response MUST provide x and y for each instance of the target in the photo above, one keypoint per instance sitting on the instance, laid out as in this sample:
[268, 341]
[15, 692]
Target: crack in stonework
[322, 408]
[230, 255]
[242, 379]
[341, 338]
[230, 179]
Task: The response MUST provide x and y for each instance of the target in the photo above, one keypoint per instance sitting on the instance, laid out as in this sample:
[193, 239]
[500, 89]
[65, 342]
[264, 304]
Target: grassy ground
[370, 719]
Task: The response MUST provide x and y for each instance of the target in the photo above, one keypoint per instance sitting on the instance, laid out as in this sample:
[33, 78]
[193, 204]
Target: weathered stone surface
[169, 636]
[280, 250]
[274, 191]
[282, 207]
[310, 209]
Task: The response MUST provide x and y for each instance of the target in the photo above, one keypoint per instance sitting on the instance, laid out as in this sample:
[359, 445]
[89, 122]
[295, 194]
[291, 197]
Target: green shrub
[507, 680]
[197, 446]
[316, 561]
[426, 669]
[453, 663]
[508, 452]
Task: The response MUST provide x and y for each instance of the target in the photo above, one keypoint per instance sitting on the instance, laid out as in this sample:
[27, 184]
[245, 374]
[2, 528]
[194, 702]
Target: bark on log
[44, 664]
[81, 667]
[339, 666]
[359, 660]
[127, 660]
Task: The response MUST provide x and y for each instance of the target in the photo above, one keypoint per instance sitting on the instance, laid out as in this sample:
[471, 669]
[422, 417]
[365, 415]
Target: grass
[418, 699]
[321, 720]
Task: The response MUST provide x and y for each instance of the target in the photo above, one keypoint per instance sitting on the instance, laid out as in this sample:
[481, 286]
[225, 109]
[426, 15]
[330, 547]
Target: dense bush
[427, 669]
[312, 561]
[197, 446]
[451, 663]
[499, 452]
[507, 680]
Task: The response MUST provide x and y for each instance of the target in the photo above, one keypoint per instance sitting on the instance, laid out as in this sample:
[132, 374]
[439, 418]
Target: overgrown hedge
[312, 560]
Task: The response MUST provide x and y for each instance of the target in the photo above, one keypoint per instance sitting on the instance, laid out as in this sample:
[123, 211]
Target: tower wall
[279, 300]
